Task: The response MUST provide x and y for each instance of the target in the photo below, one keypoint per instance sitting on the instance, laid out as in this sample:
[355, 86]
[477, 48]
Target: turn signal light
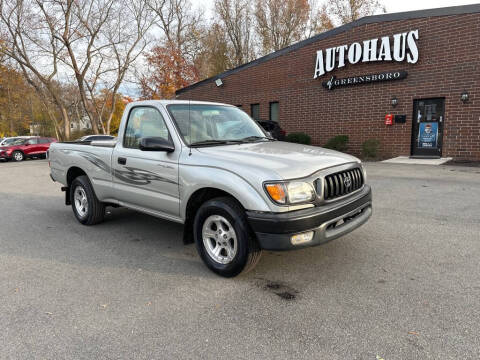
[277, 192]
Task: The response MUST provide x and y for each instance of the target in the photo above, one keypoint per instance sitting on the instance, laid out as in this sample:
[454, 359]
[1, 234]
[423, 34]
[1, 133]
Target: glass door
[428, 118]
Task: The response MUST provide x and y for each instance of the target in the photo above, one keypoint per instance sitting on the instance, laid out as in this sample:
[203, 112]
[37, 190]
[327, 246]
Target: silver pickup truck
[214, 169]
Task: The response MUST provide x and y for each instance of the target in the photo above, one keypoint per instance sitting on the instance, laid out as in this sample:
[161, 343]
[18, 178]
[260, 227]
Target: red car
[23, 148]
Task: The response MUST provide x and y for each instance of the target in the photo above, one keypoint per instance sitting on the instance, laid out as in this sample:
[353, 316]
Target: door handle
[122, 160]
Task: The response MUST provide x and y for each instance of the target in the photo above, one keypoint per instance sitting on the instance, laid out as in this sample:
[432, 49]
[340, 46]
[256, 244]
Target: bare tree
[214, 56]
[35, 47]
[318, 19]
[96, 41]
[120, 44]
[346, 11]
[281, 22]
[235, 16]
[181, 25]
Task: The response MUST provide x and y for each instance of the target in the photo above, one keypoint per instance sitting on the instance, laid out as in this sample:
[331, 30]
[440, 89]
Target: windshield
[19, 142]
[10, 141]
[208, 124]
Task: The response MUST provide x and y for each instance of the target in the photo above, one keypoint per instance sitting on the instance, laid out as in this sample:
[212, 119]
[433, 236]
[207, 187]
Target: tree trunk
[9, 111]
[83, 96]
[103, 126]
[109, 121]
[66, 124]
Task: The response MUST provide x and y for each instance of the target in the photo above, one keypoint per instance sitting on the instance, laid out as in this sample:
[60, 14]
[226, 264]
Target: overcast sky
[392, 5]
[408, 5]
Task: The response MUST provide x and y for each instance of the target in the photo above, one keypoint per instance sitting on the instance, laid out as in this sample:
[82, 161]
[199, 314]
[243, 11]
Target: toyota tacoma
[211, 167]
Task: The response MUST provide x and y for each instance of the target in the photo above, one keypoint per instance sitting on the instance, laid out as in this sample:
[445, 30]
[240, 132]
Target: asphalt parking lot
[404, 286]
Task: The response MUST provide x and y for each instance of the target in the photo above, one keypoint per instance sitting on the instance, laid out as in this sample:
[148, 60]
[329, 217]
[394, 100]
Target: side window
[255, 111]
[142, 122]
[274, 111]
[43, 141]
[33, 141]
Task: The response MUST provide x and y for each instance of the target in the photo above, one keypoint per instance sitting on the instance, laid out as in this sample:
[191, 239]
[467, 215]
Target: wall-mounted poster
[428, 135]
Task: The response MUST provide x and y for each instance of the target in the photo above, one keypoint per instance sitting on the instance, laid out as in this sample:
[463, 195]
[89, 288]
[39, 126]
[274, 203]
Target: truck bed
[94, 157]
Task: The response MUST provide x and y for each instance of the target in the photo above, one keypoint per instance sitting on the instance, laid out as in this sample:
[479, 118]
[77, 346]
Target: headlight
[293, 192]
[364, 174]
[299, 192]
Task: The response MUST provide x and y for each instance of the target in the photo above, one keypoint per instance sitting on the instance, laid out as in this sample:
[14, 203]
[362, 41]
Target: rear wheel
[18, 156]
[223, 237]
[87, 208]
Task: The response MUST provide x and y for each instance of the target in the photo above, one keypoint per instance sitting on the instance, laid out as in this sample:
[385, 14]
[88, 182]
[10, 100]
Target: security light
[394, 101]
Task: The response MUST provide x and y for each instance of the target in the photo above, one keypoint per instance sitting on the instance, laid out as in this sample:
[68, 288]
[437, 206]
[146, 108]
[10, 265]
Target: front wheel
[223, 238]
[18, 156]
[87, 208]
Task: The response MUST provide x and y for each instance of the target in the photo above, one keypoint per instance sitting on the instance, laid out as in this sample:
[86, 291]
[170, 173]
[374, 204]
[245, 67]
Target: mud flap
[66, 190]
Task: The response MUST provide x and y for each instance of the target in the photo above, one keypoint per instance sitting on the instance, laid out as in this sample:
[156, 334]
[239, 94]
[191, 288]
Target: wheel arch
[74, 172]
[196, 199]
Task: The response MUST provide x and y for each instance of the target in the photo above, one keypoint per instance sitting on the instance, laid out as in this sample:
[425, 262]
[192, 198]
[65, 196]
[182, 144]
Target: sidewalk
[408, 160]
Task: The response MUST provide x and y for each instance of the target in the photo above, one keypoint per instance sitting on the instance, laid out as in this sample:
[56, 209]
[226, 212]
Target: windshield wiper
[255, 137]
[214, 142]
[229, 141]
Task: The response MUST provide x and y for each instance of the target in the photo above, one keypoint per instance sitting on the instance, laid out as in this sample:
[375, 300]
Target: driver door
[147, 180]
[32, 147]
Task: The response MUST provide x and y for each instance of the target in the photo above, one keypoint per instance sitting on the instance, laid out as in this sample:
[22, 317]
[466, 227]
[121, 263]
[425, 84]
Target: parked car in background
[10, 140]
[96, 137]
[273, 128]
[21, 149]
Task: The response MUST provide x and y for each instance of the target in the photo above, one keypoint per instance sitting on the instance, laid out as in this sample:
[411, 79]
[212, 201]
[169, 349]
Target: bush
[299, 138]
[370, 148]
[339, 143]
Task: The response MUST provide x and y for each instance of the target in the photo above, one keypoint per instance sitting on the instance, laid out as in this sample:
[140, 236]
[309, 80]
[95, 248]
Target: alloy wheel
[219, 239]
[81, 201]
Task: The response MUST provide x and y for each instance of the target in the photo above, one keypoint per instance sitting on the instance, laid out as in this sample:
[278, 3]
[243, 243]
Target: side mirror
[156, 144]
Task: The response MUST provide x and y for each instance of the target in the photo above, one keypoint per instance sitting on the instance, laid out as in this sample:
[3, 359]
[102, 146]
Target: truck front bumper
[274, 231]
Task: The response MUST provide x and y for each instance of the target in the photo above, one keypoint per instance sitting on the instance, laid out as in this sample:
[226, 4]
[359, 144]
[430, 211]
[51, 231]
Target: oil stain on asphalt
[283, 291]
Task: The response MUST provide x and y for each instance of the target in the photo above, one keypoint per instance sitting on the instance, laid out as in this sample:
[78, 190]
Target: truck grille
[342, 183]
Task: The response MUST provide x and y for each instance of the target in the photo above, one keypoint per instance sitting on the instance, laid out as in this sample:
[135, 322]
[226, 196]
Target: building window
[255, 111]
[274, 111]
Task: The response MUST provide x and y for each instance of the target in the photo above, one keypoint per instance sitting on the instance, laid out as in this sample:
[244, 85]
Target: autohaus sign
[399, 48]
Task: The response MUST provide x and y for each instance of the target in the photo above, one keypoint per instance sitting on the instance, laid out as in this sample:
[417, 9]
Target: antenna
[189, 130]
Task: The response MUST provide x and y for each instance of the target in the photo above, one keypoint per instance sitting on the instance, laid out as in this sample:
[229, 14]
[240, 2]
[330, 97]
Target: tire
[18, 156]
[231, 239]
[87, 208]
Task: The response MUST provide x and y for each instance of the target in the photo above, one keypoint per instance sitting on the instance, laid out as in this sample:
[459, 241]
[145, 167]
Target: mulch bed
[463, 163]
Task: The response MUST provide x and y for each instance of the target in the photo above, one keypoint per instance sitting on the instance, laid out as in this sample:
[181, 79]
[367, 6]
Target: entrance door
[427, 134]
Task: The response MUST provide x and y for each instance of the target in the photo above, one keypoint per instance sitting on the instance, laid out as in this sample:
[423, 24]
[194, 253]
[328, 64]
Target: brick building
[420, 67]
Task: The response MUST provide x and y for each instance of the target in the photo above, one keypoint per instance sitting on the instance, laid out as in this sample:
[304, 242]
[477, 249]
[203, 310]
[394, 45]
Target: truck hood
[287, 160]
